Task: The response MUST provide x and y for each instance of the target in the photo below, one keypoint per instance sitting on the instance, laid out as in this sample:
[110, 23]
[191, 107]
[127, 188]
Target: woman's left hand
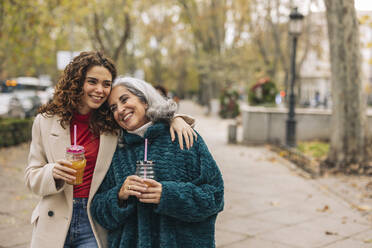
[184, 131]
[153, 192]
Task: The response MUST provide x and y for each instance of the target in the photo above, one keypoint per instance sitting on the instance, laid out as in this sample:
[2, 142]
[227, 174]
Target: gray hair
[159, 108]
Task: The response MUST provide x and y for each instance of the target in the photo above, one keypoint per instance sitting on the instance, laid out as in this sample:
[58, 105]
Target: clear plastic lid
[75, 149]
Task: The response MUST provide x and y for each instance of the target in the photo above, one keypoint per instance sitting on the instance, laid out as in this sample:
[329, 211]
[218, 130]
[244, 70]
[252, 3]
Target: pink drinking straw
[75, 128]
[145, 149]
[144, 172]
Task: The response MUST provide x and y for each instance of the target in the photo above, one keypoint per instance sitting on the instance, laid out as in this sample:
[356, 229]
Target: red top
[90, 143]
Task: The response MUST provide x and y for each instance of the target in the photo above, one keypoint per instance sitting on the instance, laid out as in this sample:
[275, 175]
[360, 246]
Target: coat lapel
[59, 140]
[107, 146]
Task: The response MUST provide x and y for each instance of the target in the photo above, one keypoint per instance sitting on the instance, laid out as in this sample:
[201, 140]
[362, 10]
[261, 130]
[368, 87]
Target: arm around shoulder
[187, 118]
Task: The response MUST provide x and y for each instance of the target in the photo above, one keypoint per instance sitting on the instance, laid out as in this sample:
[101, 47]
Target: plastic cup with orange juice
[75, 155]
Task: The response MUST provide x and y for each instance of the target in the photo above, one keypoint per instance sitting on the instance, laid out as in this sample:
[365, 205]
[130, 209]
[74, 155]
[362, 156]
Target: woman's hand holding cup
[153, 193]
[133, 185]
[62, 171]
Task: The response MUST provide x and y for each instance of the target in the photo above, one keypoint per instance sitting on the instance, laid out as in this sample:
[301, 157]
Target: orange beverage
[79, 166]
[75, 154]
[148, 184]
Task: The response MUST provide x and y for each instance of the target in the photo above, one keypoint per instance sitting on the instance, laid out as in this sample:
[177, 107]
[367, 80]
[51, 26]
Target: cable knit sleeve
[196, 200]
[105, 206]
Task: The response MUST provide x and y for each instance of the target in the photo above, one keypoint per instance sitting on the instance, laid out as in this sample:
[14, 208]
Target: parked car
[46, 95]
[29, 100]
[22, 96]
[10, 106]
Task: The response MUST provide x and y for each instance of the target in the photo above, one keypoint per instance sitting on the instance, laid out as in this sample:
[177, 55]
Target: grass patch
[315, 149]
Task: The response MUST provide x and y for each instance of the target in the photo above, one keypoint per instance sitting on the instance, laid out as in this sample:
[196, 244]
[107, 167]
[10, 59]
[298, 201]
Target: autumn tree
[206, 21]
[348, 138]
[24, 41]
[32, 32]
[109, 26]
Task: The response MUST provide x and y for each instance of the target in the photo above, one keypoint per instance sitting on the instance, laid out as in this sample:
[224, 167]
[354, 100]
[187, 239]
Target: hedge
[14, 131]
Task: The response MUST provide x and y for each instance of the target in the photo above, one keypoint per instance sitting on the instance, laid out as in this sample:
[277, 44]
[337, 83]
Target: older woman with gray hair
[176, 209]
[159, 108]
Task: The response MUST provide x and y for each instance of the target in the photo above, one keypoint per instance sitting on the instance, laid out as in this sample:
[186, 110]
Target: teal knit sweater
[192, 195]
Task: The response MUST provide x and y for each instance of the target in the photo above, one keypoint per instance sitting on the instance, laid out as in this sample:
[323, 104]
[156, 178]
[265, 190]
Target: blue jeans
[80, 234]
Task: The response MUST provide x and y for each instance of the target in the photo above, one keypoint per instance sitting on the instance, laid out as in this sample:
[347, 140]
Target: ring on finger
[128, 187]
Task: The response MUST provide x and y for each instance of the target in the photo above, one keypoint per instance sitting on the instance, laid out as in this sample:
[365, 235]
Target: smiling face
[128, 110]
[96, 88]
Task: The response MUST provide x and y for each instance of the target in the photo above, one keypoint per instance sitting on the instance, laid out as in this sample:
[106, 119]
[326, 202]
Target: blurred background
[193, 48]
[222, 54]
[240, 69]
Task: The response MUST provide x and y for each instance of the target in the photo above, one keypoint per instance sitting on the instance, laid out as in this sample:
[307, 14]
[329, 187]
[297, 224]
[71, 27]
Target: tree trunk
[349, 131]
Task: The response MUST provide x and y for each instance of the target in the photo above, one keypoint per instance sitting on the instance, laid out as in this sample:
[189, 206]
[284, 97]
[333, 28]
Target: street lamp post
[295, 28]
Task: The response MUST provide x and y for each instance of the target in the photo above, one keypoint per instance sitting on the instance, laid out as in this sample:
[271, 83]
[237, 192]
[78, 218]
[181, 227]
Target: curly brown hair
[69, 91]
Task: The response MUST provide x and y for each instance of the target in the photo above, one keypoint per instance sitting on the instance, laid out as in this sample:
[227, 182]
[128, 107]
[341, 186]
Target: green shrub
[263, 92]
[229, 103]
[14, 131]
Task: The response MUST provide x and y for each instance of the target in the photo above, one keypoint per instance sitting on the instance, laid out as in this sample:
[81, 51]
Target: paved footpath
[268, 203]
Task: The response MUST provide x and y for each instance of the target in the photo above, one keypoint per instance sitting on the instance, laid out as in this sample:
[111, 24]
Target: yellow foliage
[364, 19]
[283, 154]
[368, 89]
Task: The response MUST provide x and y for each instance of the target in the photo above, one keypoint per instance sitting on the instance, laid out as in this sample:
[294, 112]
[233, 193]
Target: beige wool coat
[52, 216]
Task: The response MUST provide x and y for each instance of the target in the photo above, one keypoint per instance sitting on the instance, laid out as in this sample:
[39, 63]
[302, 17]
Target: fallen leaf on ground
[354, 185]
[274, 203]
[324, 209]
[330, 233]
[283, 154]
[363, 207]
[272, 159]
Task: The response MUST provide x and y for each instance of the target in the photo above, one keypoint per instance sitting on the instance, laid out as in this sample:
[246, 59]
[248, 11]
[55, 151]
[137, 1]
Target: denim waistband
[80, 201]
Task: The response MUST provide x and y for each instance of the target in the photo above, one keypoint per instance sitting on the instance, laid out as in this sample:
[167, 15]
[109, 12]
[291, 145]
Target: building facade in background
[315, 82]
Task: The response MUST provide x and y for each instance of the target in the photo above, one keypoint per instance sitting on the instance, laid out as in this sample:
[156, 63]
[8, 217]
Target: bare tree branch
[97, 34]
[90, 34]
[124, 38]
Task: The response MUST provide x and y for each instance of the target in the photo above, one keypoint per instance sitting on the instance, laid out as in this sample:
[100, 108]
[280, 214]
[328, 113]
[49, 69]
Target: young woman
[179, 208]
[61, 218]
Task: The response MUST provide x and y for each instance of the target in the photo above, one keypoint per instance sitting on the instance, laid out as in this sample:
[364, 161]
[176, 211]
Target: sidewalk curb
[308, 165]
